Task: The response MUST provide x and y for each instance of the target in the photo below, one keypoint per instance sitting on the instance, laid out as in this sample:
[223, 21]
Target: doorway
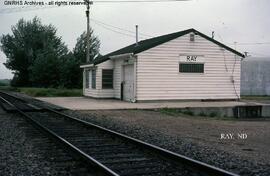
[128, 82]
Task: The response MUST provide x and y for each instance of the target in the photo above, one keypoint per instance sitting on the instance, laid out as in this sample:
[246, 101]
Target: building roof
[152, 42]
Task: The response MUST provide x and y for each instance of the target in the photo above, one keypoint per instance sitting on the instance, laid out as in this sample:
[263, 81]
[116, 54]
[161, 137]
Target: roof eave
[86, 65]
[113, 57]
[120, 56]
[220, 44]
[170, 37]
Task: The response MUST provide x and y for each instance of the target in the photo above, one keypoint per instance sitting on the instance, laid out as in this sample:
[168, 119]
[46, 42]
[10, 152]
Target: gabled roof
[152, 42]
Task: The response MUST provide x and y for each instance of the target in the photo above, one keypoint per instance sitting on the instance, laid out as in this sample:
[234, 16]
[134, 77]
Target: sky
[245, 22]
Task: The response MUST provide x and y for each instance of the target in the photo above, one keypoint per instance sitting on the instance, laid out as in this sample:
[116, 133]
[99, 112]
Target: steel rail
[198, 165]
[174, 156]
[79, 154]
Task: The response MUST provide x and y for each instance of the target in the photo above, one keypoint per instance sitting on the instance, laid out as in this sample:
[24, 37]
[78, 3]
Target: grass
[187, 113]
[202, 114]
[176, 112]
[214, 114]
[8, 88]
[45, 92]
[41, 92]
[255, 97]
[50, 92]
[169, 111]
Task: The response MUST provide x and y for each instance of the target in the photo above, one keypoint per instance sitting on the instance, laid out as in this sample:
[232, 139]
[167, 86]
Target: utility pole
[88, 35]
[85, 72]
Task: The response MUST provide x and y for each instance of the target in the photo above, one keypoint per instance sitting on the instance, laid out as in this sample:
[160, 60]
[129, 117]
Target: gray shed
[255, 76]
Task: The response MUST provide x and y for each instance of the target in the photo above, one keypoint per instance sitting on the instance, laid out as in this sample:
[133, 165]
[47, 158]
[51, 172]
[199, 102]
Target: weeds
[51, 92]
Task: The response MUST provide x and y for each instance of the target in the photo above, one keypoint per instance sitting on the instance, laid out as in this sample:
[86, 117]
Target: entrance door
[128, 82]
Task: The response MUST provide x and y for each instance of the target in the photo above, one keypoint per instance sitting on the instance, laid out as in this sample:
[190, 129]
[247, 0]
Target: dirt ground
[202, 131]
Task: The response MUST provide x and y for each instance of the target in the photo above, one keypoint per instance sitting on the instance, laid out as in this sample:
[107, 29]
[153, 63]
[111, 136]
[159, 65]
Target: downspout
[135, 80]
[84, 81]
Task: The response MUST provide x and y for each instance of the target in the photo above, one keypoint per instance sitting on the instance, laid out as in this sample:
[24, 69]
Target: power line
[35, 7]
[256, 43]
[108, 26]
[243, 43]
[129, 35]
[119, 32]
[100, 23]
[258, 54]
[122, 29]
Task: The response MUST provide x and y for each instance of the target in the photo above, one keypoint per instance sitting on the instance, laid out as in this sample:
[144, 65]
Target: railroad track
[109, 152]
[53, 159]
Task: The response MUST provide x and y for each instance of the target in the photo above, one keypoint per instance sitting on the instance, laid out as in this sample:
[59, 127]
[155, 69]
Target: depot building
[185, 65]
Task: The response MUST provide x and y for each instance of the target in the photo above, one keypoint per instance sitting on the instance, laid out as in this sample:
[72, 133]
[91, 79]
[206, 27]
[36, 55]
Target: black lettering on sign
[192, 58]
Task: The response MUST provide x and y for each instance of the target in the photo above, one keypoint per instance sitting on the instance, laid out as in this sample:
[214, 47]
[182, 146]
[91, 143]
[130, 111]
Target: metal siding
[158, 76]
[255, 78]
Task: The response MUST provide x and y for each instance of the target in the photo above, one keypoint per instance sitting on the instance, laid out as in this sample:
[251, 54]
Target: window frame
[194, 63]
[86, 74]
[111, 83]
[93, 79]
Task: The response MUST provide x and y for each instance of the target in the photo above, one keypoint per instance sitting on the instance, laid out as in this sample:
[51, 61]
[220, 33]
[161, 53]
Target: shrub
[213, 114]
[51, 92]
[202, 114]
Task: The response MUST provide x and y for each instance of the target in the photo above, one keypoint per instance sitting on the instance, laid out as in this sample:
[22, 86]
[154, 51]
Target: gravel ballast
[26, 151]
[181, 135]
[196, 137]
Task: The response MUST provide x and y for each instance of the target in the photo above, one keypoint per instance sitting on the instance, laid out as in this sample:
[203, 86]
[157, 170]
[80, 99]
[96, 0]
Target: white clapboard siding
[118, 74]
[117, 77]
[99, 92]
[158, 76]
[117, 66]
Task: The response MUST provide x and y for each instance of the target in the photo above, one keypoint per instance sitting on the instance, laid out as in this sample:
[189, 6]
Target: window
[107, 79]
[86, 79]
[191, 68]
[93, 79]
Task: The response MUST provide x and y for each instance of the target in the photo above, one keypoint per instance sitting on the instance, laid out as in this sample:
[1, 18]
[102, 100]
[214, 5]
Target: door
[128, 92]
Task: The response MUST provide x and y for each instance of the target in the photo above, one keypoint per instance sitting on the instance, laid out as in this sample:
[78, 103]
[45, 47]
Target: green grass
[187, 113]
[214, 114]
[50, 92]
[169, 111]
[176, 112]
[255, 97]
[8, 88]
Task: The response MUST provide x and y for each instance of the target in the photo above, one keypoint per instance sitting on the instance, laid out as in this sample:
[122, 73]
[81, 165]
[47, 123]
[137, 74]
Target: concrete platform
[83, 103]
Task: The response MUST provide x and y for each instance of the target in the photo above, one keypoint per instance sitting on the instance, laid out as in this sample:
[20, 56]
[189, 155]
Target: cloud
[241, 21]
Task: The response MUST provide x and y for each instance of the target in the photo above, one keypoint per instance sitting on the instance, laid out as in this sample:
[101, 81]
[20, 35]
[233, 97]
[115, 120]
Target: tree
[39, 58]
[80, 47]
[45, 71]
[70, 72]
[29, 41]
[79, 53]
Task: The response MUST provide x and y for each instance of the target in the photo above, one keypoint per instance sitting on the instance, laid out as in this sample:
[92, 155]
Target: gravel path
[196, 138]
[25, 151]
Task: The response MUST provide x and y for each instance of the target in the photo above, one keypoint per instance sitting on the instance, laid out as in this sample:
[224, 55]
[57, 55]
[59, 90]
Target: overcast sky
[241, 21]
